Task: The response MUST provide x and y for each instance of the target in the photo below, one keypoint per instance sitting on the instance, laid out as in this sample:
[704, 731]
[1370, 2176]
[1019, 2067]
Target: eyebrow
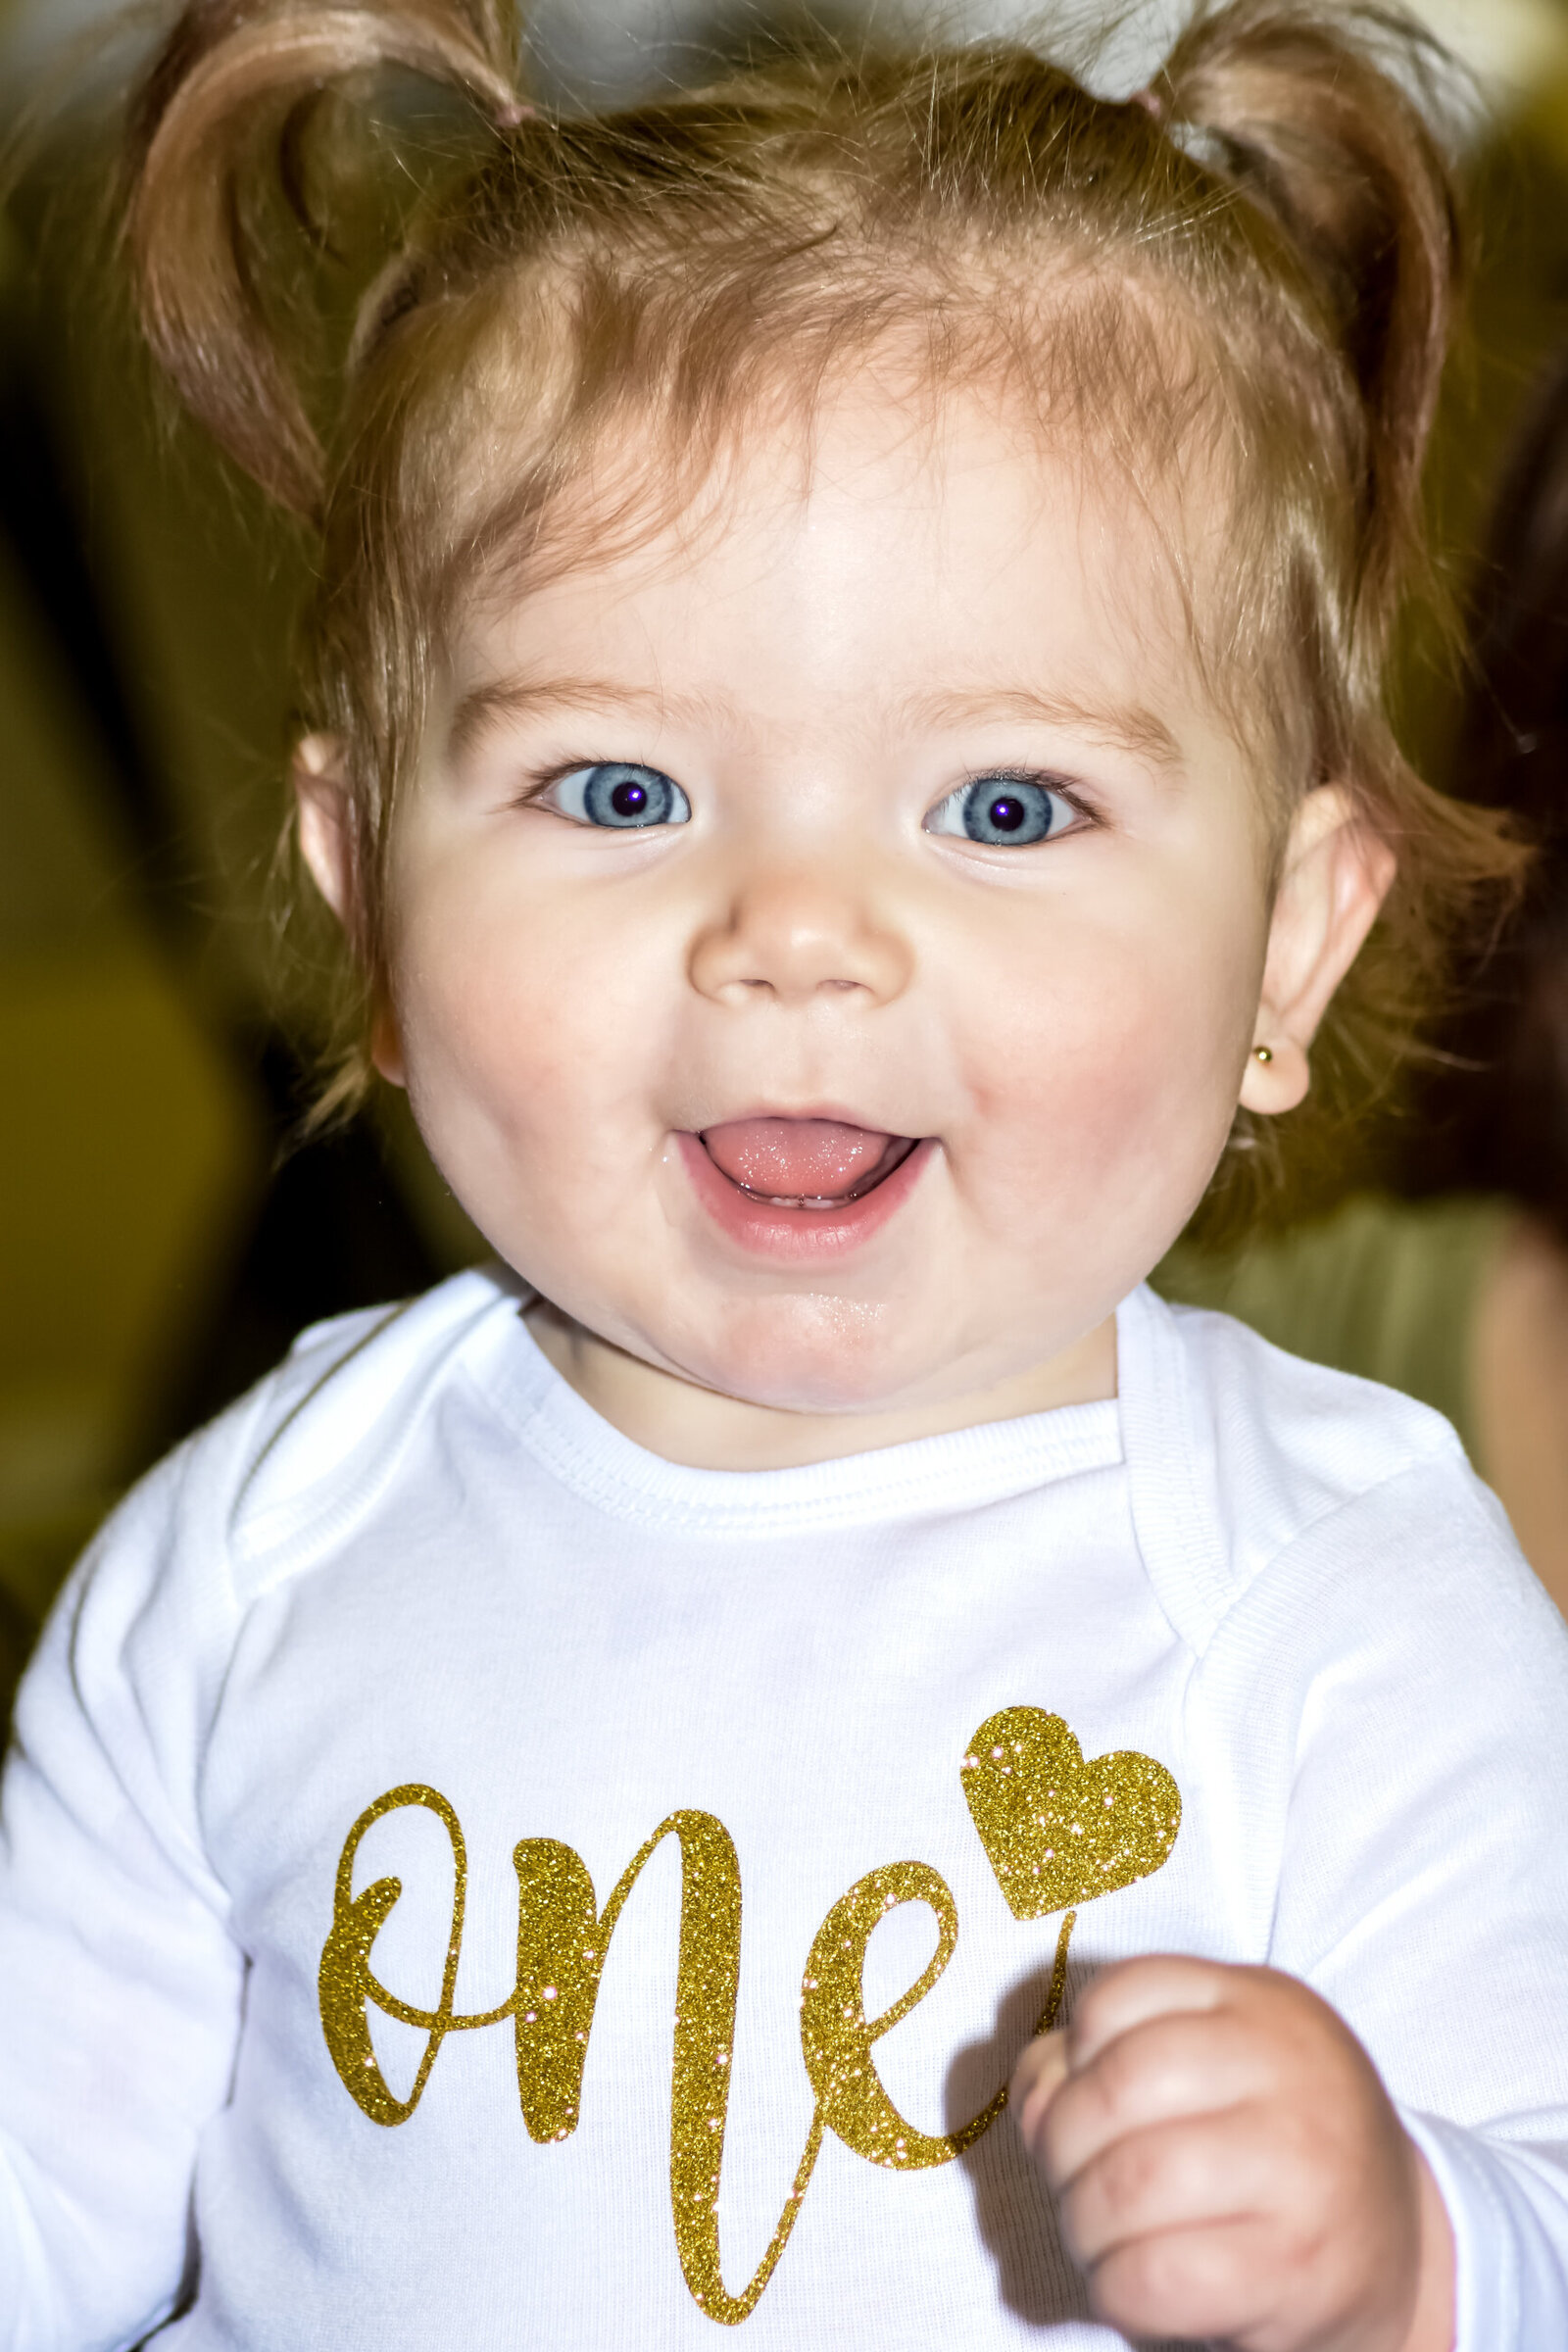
[491, 705]
[1125, 726]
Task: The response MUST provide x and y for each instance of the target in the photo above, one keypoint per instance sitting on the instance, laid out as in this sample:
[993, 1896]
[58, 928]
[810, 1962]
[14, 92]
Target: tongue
[814, 1160]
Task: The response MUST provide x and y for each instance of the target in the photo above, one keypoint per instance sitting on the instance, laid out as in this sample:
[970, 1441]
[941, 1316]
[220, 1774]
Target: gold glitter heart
[1058, 1831]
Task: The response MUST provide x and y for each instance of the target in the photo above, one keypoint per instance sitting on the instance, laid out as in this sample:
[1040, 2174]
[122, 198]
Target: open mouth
[802, 1191]
[804, 1163]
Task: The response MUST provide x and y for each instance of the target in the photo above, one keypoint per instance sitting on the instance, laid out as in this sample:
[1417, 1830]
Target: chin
[811, 1355]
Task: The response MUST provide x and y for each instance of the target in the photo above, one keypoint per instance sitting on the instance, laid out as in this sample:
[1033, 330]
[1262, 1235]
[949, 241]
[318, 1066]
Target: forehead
[887, 545]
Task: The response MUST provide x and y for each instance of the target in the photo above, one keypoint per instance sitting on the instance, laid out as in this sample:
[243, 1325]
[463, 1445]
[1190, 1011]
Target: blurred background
[159, 1242]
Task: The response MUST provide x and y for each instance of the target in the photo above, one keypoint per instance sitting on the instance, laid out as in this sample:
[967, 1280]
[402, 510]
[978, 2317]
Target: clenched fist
[1229, 2167]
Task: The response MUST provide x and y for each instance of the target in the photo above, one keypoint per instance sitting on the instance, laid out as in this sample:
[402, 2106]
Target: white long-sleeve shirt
[333, 1780]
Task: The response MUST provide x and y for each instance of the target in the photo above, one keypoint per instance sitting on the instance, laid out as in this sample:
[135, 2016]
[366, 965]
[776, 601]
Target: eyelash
[1024, 781]
[623, 796]
[1027, 779]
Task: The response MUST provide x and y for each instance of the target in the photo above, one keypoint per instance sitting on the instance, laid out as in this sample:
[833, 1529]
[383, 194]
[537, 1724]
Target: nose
[793, 936]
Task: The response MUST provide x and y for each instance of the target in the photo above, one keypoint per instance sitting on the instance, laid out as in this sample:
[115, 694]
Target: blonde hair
[1256, 261]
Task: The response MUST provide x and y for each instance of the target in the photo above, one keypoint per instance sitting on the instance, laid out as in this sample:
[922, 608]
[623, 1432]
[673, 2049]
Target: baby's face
[826, 943]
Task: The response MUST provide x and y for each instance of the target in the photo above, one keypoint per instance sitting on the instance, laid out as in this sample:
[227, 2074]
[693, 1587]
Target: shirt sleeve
[120, 1984]
[1413, 1678]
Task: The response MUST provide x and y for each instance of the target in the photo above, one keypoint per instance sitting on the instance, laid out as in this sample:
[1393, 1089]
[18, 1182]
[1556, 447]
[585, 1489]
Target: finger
[1124, 1995]
[1273, 2042]
[1178, 2176]
[1036, 2079]
[1170, 2067]
[1215, 2280]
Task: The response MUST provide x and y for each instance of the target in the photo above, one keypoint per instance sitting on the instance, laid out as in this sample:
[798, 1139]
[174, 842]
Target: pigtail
[212, 136]
[1255, 269]
[1313, 118]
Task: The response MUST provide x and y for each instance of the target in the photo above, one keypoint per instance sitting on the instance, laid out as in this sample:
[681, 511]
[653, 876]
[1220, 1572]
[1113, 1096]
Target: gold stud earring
[1262, 1052]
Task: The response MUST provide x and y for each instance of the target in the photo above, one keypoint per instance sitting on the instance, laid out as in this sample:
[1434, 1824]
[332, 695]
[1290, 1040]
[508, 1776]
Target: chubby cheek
[524, 1041]
[1102, 1105]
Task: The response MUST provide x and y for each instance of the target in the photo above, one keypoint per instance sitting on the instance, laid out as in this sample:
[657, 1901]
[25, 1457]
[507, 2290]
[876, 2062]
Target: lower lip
[768, 1231]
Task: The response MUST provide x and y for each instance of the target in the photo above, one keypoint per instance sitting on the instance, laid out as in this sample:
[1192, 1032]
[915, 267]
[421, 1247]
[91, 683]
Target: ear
[324, 811]
[324, 815]
[1336, 875]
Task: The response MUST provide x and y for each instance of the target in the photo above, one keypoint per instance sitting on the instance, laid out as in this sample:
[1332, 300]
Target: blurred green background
[159, 1243]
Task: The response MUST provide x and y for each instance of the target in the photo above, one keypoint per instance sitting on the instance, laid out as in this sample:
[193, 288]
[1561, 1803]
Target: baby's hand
[1229, 2167]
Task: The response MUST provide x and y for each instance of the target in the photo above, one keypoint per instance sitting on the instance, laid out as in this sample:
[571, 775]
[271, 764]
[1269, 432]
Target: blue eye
[618, 794]
[1002, 811]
